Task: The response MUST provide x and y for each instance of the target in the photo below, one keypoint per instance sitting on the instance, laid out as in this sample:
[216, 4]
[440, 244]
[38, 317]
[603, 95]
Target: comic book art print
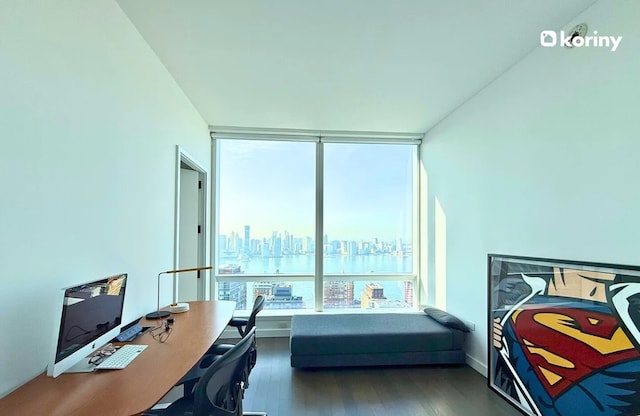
[563, 336]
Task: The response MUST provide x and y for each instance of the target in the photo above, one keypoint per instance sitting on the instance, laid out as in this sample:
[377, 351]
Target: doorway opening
[190, 228]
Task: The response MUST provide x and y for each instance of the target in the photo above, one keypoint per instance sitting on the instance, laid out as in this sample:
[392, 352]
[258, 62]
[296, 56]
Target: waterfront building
[338, 294]
[408, 292]
[262, 288]
[372, 295]
[229, 268]
[282, 298]
[235, 291]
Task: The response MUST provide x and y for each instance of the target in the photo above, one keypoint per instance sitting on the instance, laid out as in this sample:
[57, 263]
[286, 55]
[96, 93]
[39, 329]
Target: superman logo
[564, 345]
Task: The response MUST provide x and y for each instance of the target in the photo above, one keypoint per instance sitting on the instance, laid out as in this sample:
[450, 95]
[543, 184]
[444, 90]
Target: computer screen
[91, 315]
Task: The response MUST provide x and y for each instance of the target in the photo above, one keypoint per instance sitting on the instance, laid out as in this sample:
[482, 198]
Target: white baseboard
[477, 365]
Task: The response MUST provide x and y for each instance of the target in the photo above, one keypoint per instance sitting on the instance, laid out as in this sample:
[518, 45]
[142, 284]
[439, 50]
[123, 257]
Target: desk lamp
[158, 314]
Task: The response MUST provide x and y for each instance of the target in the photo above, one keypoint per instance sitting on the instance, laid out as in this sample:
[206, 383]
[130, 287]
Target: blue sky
[271, 187]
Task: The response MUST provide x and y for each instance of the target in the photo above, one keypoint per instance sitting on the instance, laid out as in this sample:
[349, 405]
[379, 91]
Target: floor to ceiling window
[268, 231]
[368, 225]
[266, 222]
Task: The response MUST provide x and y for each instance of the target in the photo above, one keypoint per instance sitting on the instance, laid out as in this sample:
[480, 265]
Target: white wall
[89, 122]
[544, 162]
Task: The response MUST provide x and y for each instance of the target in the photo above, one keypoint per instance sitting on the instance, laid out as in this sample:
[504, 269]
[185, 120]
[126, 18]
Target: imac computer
[89, 317]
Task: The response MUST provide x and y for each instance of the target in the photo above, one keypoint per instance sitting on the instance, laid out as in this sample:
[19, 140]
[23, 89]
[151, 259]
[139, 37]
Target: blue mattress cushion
[370, 333]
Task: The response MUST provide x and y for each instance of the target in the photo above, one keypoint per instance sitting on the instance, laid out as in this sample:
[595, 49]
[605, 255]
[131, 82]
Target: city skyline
[236, 243]
[283, 231]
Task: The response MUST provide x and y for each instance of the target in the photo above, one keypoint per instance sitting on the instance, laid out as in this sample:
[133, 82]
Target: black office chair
[244, 326]
[220, 390]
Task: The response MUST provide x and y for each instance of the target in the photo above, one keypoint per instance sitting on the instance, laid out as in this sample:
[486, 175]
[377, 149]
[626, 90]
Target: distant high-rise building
[408, 292]
[344, 247]
[334, 247]
[235, 242]
[231, 241]
[297, 245]
[247, 239]
[276, 245]
[372, 293]
[222, 243]
[309, 245]
[338, 294]
[287, 243]
[265, 251]
[235, 291]
[353, 248]
[262, 288]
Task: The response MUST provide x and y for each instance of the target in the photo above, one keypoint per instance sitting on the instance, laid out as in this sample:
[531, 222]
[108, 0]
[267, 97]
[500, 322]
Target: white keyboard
[121, 358]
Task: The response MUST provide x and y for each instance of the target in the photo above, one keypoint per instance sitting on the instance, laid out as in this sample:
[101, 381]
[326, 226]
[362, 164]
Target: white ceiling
[368, 65]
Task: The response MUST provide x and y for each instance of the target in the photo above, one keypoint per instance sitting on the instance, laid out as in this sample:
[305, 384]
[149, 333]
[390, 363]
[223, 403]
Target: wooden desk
[137, 387]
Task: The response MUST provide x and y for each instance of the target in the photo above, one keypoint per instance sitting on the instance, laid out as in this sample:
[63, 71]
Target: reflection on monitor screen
[91, 315]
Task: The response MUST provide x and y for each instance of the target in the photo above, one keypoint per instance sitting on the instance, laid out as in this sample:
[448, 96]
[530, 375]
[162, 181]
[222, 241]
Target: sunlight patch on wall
[440, 256]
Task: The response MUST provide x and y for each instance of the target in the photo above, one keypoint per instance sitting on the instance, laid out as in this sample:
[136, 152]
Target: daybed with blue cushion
[372, 339]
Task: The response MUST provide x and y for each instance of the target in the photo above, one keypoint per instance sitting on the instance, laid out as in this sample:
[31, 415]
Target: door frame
[182, 157]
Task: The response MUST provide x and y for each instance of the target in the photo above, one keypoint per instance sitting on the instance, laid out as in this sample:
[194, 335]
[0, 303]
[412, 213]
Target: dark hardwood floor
[280, 390]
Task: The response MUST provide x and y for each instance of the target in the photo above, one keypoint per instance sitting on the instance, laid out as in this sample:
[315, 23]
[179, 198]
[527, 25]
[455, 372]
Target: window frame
[320, 138]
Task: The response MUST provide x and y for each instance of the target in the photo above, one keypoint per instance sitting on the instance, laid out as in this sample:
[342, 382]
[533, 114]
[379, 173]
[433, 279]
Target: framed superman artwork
[563, 336]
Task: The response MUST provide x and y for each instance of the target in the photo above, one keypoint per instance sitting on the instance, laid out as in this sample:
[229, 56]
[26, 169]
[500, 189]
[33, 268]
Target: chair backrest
[258, 304]
[220, 389]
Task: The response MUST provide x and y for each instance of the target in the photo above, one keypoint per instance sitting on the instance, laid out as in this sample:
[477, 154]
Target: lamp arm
[158, 314]
[193, 269]
[158, 308]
